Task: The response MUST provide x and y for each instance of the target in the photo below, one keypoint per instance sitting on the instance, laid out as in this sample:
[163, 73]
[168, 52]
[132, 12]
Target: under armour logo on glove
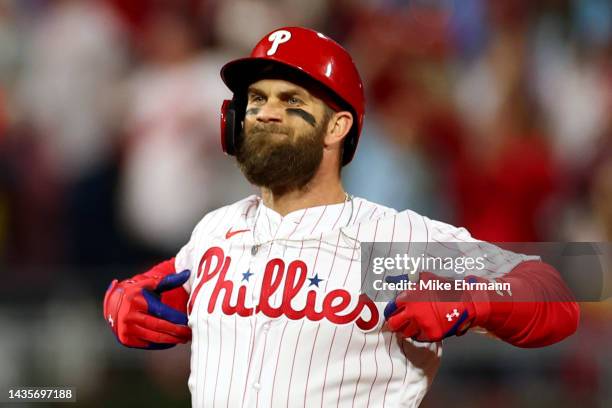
[430, 315]
[450, 316]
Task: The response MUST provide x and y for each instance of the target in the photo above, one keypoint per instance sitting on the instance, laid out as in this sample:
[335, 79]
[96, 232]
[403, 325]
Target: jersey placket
[271, 228]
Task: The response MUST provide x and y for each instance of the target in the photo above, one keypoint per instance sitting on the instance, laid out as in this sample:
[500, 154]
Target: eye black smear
[304, 115]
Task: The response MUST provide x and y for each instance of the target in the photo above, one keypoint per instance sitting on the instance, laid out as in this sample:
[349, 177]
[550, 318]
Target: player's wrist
[491, 308]
[158, 271]
[110, 315]
[478, 302]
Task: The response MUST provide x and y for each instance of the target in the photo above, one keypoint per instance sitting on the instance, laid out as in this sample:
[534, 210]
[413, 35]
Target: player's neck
[320, 191]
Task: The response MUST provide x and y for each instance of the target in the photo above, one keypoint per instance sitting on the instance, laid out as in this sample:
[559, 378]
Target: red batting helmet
[301, 52]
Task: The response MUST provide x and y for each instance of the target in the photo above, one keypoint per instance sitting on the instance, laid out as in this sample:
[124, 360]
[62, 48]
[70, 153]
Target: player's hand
[138, 313]
[428, 315]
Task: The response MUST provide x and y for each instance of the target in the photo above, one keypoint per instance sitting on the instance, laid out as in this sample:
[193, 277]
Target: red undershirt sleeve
[540, 312]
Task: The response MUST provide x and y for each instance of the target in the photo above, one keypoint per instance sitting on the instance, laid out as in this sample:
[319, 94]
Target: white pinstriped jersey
[276, 312]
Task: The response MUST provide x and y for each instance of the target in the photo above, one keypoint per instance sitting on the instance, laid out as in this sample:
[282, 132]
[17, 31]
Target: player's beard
[276, 157]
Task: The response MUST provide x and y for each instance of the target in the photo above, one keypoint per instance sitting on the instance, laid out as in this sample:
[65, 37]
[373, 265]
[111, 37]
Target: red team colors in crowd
[269, 290]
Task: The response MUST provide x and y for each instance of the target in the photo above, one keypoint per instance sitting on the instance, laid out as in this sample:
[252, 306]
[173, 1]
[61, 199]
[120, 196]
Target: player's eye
[294, 101]
[255, 98]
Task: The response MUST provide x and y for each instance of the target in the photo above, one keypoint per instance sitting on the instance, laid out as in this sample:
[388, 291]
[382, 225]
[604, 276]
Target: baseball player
[268, 289]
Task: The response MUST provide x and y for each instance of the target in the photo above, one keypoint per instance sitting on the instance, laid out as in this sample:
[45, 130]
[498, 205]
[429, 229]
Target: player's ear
[338, 127]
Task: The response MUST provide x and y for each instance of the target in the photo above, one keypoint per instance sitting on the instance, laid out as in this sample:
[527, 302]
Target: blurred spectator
[260, 17]
[11, 43]
[407, 88]
[601, 198]
[72, 63]
[572, 90]
[506, 176]
[173, 164]
[4, 120]
[135, 15]
[73, 60]
[402, 168]
[590, 219]
[504, 187]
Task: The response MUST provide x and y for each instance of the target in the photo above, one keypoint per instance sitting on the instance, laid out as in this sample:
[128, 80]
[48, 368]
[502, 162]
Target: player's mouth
[277, 135]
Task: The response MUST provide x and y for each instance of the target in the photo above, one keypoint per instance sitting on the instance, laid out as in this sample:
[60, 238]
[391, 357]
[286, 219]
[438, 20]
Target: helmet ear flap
[231, 126]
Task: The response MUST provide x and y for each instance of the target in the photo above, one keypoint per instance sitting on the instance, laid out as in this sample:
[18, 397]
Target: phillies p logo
[277, 38]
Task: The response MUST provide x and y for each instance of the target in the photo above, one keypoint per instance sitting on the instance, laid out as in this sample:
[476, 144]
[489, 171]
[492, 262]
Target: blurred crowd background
[494, 115]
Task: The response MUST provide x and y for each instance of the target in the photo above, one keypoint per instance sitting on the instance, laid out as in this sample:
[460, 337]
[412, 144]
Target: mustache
[271, 128]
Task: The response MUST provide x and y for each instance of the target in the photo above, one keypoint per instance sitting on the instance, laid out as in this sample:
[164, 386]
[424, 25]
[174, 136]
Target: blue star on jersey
[246, 276]
[315, 280]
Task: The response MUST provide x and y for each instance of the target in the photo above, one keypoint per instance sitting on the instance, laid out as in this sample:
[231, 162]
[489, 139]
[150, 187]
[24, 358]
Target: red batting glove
[429, 315]
[138, 311]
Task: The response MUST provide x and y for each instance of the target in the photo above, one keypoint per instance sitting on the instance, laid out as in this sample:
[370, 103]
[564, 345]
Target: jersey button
[256, 386]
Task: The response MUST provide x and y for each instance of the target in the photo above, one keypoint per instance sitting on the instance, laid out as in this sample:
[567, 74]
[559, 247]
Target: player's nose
[270, 112]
